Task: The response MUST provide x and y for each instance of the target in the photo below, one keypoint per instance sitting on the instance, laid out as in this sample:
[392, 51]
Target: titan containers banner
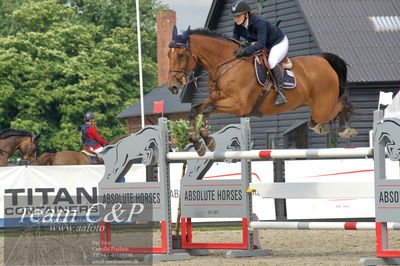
[26, 193]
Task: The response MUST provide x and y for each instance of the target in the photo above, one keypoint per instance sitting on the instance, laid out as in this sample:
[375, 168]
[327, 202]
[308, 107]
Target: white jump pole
[320, 225]
[275, 154]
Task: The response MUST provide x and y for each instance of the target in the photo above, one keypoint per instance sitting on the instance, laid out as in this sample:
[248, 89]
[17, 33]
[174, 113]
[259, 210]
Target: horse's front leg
[198, 145]
[204, 130]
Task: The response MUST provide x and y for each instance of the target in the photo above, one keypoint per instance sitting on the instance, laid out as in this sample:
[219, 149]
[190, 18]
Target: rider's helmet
[88, 116]
[239, 7]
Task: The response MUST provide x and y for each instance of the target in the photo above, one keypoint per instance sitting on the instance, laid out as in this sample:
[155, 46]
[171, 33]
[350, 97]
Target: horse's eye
[180, 56]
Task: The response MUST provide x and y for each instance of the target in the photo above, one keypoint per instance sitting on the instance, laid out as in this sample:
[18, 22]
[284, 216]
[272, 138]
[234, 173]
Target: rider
[257, 29]
[90, 137]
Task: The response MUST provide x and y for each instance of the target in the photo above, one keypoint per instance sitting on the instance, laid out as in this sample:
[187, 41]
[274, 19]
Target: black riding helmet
[88, 116]
[239, 7]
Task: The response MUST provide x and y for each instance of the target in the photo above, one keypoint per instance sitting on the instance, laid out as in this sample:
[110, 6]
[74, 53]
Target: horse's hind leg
[344, 116]
[344, 130]
[319, 128]
[204, 131]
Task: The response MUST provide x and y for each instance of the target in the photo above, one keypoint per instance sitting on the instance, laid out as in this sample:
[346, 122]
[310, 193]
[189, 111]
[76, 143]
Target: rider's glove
[239, 52]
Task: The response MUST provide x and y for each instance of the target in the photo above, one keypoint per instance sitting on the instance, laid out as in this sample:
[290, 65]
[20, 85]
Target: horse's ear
[35, 138]
[185, 35]
[174, 33]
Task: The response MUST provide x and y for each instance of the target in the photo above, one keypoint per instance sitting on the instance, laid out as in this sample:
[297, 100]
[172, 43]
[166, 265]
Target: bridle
[32, 148]
[185, 71]
[190, 76]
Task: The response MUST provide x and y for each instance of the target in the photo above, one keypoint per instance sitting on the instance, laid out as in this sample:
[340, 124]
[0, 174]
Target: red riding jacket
[92, 134]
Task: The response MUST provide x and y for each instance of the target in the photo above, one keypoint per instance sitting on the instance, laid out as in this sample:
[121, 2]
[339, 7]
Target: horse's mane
[13, 132]
[209, 33]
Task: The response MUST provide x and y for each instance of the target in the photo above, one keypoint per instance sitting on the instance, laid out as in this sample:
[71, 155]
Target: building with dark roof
[365, 33]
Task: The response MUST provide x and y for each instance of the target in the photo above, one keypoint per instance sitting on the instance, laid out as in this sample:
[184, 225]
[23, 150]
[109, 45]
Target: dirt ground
[288, 247]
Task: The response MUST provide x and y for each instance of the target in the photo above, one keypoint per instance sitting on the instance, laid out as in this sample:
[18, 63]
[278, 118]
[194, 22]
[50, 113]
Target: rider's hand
[239, 52]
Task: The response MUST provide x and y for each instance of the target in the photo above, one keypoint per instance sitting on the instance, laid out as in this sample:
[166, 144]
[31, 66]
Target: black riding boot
[280, 98]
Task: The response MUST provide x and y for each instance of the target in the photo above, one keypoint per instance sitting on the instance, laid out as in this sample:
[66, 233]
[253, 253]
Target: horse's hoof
[210, 143]
[200, 148]
[320, 129]
[348, 133]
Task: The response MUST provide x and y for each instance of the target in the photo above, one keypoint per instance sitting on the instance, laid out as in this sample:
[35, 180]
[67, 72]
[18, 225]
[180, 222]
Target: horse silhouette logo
[389, 131]
[141, 147]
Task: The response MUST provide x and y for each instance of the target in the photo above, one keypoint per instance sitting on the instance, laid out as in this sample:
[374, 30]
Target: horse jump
[239, 205]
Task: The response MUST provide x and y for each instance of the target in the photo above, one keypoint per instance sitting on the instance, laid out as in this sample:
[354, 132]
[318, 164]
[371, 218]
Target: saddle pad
[289, 79]
[94, 159]
[261, 75]
[91, 156]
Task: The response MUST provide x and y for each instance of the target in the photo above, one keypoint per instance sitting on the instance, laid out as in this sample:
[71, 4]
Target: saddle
[262, 70]
[265, 78]
[92, 156]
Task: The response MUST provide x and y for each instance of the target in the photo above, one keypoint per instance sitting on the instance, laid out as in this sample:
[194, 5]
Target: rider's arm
[261, 26]
[92, 133]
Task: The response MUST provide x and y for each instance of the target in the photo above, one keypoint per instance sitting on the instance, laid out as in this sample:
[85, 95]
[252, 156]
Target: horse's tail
[340, 67]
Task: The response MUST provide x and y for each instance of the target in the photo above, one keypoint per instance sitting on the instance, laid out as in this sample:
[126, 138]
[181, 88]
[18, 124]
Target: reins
[190, 77]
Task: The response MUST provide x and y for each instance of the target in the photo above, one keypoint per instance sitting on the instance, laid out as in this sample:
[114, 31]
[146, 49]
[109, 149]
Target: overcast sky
[188, 12]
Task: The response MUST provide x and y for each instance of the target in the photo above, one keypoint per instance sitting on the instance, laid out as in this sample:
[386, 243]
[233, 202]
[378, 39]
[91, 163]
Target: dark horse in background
[233, 88]
[12, 140]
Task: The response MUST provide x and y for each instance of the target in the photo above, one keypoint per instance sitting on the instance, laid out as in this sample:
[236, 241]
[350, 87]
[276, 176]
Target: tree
[60, 59]
[179, 136]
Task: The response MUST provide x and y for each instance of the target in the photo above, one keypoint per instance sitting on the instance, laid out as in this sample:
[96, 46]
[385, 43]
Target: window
[385, 23]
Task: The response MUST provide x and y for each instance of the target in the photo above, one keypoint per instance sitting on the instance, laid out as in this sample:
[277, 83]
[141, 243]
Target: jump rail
[320, 225]
[275, 154]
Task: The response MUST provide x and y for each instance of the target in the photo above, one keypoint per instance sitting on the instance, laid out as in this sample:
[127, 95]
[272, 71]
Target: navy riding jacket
[259, 30]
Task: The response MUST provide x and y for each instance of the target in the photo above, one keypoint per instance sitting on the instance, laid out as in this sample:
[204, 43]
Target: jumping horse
[12, 140]
[321, 84]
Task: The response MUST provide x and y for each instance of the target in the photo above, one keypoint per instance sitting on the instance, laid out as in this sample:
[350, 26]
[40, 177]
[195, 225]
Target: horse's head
[181, 60]
[28, 147]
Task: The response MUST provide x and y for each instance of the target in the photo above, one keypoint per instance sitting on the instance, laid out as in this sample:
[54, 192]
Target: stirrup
[280, 99]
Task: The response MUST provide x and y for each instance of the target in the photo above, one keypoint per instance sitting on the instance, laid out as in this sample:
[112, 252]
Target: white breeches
[278, 52]
[98, 150]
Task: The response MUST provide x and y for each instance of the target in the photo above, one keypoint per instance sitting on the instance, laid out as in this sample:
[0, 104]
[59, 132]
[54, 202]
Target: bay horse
[12, 140]
[68, 157]
[46, 158]
[321, 84]
[71, 158]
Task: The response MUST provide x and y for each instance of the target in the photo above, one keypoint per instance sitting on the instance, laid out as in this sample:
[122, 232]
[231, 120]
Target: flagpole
[140, 62]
